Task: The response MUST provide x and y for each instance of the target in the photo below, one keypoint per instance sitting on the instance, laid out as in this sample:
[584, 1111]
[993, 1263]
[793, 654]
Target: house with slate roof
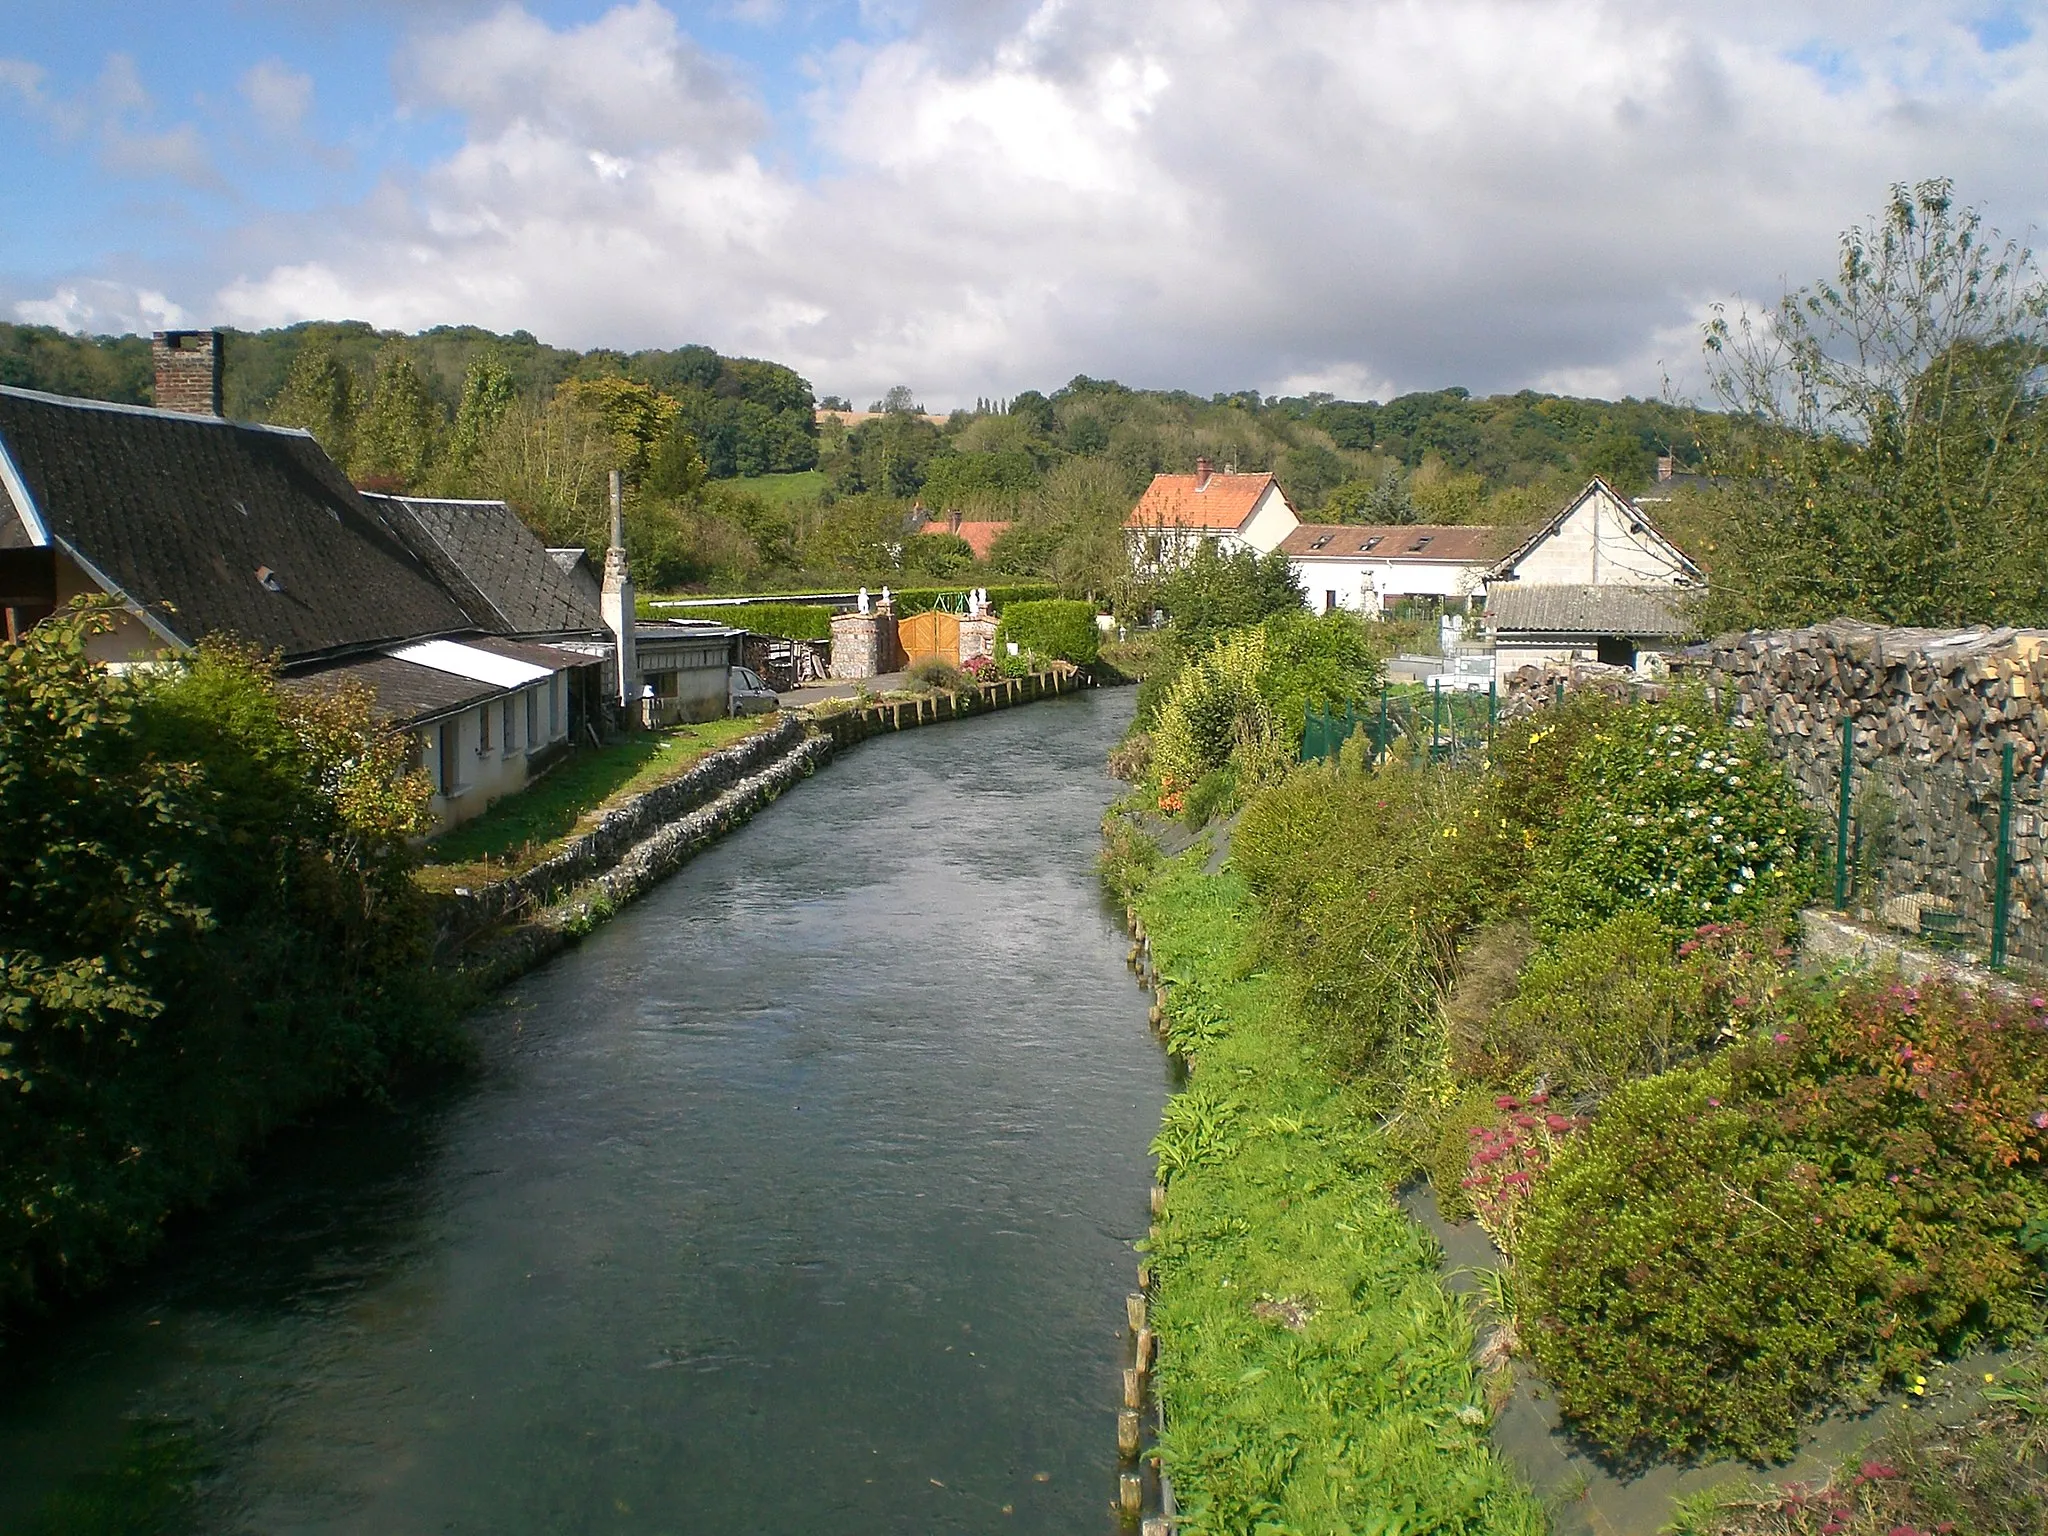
[200, 526]
[1362, 568]
[1597, 582]
[1178, 514]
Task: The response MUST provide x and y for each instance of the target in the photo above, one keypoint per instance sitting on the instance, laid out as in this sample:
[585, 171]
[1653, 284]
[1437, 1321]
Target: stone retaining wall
[469, 912]
[848, 726]
[643, 866]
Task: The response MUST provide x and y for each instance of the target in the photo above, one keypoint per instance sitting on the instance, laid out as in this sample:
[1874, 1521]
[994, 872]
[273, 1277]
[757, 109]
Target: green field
[780, 490]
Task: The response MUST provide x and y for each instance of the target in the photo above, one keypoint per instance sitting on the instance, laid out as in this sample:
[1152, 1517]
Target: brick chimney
[188, 368]
[1667, 466]
[1203, 470]
[953, 521]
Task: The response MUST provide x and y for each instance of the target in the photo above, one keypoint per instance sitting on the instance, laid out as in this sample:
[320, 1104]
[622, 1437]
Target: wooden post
[1145, 1278]
[1127, 1434]
[1158, 1525]
[1158, 1199]
[1134, 1309]
[1130, 1494]
[1147, 1342]
[1134, 1390]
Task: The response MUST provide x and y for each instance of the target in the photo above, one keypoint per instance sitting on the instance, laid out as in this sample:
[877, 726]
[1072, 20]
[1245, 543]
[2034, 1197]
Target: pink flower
[1526, 1122]
[2040, 1121]
[1507, 1101]
[1780, 1038]
[1879, 1469]
[1557, 1125]
[1541, 1096]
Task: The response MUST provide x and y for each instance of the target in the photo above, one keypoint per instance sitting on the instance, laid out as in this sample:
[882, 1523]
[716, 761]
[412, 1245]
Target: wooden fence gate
[930, 634]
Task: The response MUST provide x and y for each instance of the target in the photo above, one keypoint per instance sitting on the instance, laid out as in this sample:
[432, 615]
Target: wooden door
[930, 634]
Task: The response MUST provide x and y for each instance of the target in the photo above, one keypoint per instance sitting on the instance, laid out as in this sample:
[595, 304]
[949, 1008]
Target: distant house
[1365, 568]
[980, 537]
[201, 526]
[1597, 582]
[1180, 513]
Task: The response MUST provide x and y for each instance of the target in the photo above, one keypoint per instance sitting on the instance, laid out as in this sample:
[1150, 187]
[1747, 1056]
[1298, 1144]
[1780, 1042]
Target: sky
[976, 197]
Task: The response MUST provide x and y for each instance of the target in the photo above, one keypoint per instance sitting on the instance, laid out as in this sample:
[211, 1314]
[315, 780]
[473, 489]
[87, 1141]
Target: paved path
[812, 693]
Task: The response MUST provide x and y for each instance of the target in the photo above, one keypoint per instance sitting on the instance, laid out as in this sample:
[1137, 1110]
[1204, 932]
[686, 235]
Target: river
[799, 1198]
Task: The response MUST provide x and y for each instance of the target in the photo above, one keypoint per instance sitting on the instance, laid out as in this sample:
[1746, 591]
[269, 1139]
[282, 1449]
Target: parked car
[746, 694]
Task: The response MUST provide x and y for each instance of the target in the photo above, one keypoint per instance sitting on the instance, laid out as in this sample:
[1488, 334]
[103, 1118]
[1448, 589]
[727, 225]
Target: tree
[1382, 501]
[1213, 592]
[1887, 457]
[394, 437]
[319, 394]
[487, 394]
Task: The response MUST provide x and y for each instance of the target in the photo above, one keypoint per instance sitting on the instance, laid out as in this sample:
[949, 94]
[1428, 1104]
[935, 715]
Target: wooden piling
[1157, 1525]
[1158, 1199]
[1127, 1434]
[1147, 1342]
[1134, 1305]
[1134, 1390]
[1145, 1279]
[1130, 1495]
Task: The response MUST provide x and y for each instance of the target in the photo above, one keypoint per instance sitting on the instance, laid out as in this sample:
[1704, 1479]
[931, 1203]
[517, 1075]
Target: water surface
[797, 1199]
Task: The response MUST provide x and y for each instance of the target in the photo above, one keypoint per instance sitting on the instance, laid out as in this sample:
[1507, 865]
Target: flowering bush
[1508, 1158]
[1677, 815]
[981, 669]
[1822, 1209]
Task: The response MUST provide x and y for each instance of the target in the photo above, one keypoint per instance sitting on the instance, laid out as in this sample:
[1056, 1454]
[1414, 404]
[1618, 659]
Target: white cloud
[279, 95]
[1358, 195]
[100, 307]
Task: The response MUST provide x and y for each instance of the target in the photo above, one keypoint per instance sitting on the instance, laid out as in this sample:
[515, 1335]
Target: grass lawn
[521, 830]
[1317, 1377]
[781, 490]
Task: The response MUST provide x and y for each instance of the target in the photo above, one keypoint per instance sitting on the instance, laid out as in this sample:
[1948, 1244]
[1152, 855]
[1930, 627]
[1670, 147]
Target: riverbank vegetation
[211, 927]
[1556, 983]
[1316, 1375]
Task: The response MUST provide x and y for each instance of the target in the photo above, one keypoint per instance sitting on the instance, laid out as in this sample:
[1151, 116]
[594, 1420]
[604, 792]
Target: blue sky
[978, 196]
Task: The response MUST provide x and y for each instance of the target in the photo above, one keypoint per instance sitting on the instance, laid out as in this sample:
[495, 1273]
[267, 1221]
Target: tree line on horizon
[1877, 446]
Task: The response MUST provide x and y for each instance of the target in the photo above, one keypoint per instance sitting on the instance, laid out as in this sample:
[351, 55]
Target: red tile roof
[980, 537]
[1392, 541]
[1223, 502]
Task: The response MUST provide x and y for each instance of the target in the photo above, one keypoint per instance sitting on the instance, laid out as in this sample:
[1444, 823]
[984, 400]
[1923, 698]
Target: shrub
[934, 674]
[1820, 1210]
[1616, 1002]
[1675, 814]
[211, 926]
[789, 621]
[1054, 628]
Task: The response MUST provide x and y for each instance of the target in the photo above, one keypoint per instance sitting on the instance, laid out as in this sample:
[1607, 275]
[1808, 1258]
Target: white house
[1597, 582]
[1179, 513]
[1365, 568]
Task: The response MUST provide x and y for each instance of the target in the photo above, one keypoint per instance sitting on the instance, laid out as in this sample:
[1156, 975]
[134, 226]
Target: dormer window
[1320, 541]
[1421, 543]
[1370, 545]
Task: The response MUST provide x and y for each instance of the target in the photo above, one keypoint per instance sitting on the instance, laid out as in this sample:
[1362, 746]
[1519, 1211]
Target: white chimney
[616, 602]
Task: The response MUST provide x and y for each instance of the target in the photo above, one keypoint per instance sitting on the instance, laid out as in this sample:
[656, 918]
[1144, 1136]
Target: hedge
[1058, 629]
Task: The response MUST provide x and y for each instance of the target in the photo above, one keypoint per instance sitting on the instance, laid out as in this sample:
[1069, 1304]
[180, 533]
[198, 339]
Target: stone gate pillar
[862, 645]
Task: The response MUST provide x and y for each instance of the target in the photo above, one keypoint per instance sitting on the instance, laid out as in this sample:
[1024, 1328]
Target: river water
[799, 1198]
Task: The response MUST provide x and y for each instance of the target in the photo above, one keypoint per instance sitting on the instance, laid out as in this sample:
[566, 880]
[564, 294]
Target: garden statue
[862, 600]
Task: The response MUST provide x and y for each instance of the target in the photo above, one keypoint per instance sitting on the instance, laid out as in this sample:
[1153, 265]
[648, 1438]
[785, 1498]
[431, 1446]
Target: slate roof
[180, 513]
[1602, 610]
[1394, 541]
[405, 694]
[482, 551]
[1222, 502]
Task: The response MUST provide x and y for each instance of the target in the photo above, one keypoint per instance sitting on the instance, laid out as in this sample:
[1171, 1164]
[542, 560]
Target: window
[533, 716]
[1421, 543]
[505, 726]
[1370, 544]
[450, 750]
[1329, 602]
[483, 730]
[1321, 540]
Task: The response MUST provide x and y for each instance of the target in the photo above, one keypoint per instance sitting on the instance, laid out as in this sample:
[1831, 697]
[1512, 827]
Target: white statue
[863, 600]
[885, 596]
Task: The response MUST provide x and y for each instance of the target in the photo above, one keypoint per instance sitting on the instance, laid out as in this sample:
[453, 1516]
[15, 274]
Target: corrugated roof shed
[1599, 610]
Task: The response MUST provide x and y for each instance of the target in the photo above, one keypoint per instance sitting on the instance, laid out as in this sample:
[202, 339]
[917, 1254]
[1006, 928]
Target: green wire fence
[1446, 724]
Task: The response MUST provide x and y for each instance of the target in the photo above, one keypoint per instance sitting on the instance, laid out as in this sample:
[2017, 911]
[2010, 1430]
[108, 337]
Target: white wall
[1365, 585]
[1603, 542]
[1270, 523]
[487, 775]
